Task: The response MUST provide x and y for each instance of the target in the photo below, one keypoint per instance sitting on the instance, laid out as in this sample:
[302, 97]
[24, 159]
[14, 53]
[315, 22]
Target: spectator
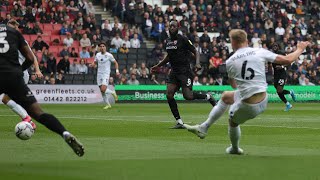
[215, 62]
[36, 29]
[28, 29]
[83, 68]
[64, 29]
[51, 64]
[60, 79]
[52, 80]
[133, 69]
[85, 41]
[64, 65]
[133, 80]
[74, 67]
[124, 49]
[90, 8]
[84, 53]
[196, 81]
[143, 68]
[68, 40]
[113, 49]
[158, 28]
[135, 42]
[39, 45]
[33, 79]
[126, 41]
[45, 55]
[74, 53]
[106, 25]
[77, 35]
[64, 51]
[116, 41]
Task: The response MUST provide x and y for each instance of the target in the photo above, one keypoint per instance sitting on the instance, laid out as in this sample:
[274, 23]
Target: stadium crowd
[64, 35]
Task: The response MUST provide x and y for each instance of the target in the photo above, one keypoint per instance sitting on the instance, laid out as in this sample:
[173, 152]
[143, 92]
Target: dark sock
[51, 123]
[281, 95]
[174, 108]
[285, 92]
[199, 96]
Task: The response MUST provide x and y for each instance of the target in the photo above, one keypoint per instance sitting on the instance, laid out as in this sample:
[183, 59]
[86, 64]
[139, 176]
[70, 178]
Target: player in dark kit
[279, 80]
[178, 48]
[12, 83]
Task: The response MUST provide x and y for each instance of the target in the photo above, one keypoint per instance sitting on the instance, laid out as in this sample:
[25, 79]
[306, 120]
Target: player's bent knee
[228, 97]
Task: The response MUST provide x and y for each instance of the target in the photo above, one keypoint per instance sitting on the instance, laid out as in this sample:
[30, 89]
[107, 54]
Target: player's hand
[39, 74]
[197, 67]
[303, 45]
[153, 68]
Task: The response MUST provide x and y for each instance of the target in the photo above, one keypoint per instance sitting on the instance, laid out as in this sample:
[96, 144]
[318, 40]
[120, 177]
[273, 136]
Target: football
[24, 130]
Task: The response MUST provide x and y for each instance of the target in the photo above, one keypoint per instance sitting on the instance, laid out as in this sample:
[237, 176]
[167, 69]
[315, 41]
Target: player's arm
[36, 64]
[195, 53]
[161, 63]
[290, 58]
[25, 50]
[94, 62]
[117, 67]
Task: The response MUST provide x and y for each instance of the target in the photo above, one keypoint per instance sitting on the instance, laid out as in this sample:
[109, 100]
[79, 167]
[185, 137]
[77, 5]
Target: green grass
[132, 141]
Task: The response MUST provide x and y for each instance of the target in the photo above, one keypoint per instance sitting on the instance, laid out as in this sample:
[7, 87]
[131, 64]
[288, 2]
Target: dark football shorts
[279, 79]
[14, 86]
[181, 80]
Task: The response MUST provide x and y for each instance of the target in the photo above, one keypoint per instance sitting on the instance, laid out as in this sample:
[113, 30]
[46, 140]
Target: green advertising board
[150, 93]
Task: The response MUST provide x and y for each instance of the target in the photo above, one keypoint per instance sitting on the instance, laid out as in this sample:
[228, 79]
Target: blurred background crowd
[64, 35]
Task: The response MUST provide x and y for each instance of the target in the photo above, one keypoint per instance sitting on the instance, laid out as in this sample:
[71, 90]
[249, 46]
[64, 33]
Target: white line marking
[165, 121]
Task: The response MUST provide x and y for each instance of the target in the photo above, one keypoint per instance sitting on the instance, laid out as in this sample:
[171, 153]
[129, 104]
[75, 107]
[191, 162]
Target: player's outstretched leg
[293, 96]
[188, 94]
[18, 110]
[198, 130]
[52, 123]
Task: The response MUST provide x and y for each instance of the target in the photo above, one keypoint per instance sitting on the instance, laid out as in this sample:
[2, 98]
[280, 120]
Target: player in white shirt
[6, 99]
[104, 59]
[246, 71]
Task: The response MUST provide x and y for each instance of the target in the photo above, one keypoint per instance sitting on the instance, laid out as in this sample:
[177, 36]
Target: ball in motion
[24, 130]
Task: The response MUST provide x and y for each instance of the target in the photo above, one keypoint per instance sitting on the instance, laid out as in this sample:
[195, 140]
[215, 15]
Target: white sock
[105, 99]
[108, 91]
[17, 109]
[66, 134]
[216, 112]
[287, 103]
[180, 121]
[234, 134]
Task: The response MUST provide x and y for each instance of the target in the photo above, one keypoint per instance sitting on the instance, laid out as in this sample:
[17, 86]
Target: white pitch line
[164, 121]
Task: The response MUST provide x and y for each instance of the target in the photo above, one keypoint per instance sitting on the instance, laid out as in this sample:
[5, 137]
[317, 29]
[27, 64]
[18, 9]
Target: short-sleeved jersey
[11, 41]
[179, 53]
[104, 62]
[247, 67]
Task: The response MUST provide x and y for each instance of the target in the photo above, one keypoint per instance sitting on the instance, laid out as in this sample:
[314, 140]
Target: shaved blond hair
[239, 36]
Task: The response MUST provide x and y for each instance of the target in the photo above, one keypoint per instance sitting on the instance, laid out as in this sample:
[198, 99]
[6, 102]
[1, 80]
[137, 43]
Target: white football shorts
[103, 79]
[240, 111]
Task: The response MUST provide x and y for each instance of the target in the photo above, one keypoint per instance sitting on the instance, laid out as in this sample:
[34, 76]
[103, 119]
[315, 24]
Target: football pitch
[134, 142]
